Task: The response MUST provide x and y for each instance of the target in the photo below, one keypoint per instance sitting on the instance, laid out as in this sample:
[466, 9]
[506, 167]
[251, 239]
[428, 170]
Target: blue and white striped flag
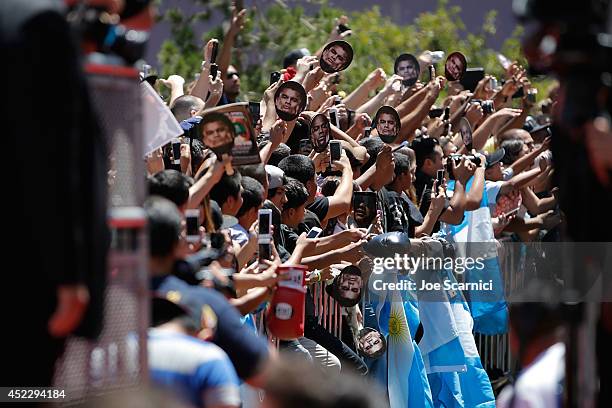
[475, 239]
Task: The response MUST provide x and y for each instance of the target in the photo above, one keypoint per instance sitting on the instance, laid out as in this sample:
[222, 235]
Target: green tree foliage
[271, 33]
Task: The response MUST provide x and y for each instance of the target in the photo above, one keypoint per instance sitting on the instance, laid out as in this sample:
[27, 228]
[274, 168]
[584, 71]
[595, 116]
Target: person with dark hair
[400, 214]
[171, 184]
[200, 372]
[197, 155]
[256, 171]
[293, 212]
[252, 200]
[276, 186]
[228, 193]
[373, 146]
[302, 169]
[514, 149]
[245, 349]
[429, 161]
[279, 154]
[186, 106]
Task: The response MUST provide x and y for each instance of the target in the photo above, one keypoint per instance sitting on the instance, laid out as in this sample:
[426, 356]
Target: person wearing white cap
[276, 189]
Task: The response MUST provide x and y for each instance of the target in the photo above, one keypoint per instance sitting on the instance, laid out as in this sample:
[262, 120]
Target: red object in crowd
[289, 74]
[285, 314]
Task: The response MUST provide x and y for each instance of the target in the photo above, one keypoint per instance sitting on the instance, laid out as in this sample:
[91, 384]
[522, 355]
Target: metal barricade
[117, 359]
[495, 353]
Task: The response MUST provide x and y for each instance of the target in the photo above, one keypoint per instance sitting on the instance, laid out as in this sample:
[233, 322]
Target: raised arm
[236, 25]
[340, 202]
[360, 95]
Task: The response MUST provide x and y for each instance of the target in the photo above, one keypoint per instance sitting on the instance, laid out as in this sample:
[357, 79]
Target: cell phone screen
[213, 54]
[192, 221]
[439, 178]
[446, 114]
[333, 117]
[436, 113]
[432, 73]
[176, 151]
[314, 232]
[335, 150]
[265, 220]
[366, 132]
[274, 77]
[265, 251]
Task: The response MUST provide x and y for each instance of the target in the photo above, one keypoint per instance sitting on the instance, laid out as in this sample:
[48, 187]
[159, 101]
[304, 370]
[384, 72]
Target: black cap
[495, 157]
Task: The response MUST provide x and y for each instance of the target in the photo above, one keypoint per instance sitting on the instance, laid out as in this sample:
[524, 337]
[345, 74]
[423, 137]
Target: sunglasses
[230, 75]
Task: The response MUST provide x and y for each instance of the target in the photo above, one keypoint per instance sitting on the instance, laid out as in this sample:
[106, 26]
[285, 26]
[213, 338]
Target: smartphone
[366, 132]
[274, 77]
[333, 117]
[351, 115]
[335, 150]
[337, 100]
[439, 178]
[472, 77]
[254, 109]
[265, 222]
[314, 232]
[265, 252]
[213, 59]
[436, 113]
[192, 220]
[446, 114]
[432, 73]
[176, 151]
[214, 51]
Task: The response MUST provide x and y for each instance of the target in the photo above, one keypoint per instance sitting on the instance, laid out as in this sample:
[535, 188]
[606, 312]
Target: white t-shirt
[539, 385]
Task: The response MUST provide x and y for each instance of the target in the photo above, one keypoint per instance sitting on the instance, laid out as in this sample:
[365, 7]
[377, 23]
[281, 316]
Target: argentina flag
[474, 238]
[407, 383]
[440, 345]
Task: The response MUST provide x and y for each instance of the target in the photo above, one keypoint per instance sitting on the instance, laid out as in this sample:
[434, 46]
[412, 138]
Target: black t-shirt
[320, 207]
[288, 238]
[400, 213]
[423, 184]
[245, 349]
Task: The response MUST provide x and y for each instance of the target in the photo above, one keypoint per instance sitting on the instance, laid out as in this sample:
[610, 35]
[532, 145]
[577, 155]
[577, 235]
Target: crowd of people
[409, 162]
[320, 247]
